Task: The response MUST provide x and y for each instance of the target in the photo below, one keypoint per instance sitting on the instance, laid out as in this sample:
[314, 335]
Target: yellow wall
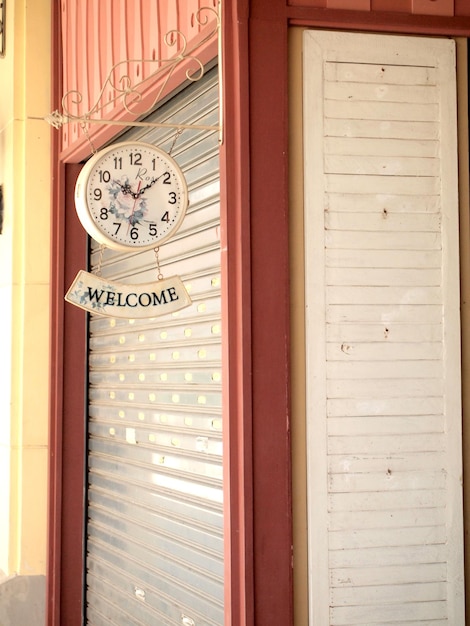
[24, 286]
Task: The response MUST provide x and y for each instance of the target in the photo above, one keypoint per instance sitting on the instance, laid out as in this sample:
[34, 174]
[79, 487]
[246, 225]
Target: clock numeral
[118, 163]
[118, 226]
[104, 175]
[97, 194]
[166, 217]
[166, 178]
[104, 213]
[135, 158]
[153, 230]
[172, 199]
[134, 233]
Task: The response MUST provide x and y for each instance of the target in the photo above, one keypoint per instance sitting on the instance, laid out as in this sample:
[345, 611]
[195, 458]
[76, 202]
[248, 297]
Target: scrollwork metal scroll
[131, 95]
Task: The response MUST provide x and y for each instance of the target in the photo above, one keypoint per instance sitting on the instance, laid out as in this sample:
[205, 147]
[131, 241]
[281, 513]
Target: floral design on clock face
[135, 196]
[123, 205]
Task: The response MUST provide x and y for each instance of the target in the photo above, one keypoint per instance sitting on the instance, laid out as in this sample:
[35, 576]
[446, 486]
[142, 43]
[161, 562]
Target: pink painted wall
[97, 34]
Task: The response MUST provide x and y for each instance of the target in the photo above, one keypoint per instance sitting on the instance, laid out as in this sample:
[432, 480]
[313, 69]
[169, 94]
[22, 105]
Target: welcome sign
[113, 299]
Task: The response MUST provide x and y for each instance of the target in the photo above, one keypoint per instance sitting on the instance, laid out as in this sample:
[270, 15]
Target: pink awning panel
[96, 36]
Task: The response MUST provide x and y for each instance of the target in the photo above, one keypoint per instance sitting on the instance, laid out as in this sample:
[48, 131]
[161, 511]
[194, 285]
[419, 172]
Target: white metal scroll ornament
[119, 86]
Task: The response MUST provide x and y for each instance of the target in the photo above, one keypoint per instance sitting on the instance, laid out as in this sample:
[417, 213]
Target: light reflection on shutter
[154, 526]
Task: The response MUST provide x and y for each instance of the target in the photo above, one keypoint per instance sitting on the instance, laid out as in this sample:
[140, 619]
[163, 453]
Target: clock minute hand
[151, 183]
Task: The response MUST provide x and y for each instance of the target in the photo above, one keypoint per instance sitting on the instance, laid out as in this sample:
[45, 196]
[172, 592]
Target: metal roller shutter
[154, 519]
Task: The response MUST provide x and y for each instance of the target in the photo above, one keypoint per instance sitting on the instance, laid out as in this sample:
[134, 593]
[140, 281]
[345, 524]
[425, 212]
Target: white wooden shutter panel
[383, 360]
[154, 524]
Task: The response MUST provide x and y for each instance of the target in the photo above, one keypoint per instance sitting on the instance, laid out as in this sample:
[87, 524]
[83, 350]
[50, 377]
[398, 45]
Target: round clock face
[131, 195]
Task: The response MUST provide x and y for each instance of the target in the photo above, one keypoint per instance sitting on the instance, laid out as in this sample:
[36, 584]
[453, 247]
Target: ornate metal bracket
[131, 95]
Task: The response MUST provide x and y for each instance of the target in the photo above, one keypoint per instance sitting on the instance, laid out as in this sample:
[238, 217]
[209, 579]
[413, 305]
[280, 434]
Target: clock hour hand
[126, 188]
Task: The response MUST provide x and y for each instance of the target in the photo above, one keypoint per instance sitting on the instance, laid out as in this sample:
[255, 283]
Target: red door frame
[236, 321]
[255, 164]
[257, 212]
[67, 391]
[255, 205]
[67, 429]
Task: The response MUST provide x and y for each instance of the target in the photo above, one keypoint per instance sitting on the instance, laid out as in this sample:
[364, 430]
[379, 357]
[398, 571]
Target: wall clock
[131, 195]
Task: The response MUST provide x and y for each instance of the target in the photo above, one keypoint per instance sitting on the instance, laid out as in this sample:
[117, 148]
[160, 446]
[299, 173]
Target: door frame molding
[256, 151]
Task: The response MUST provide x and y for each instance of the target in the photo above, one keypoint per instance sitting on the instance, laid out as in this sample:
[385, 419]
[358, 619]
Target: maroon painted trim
[272, 486]
[56, 346]
[256, 315]
[55, 424]
[382, 21]
[67, 390]
[74, 417]
[67, 452]
[236, 320]
[269, 258]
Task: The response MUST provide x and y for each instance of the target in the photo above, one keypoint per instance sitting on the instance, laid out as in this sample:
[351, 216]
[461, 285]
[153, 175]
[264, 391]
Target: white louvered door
[383, 331]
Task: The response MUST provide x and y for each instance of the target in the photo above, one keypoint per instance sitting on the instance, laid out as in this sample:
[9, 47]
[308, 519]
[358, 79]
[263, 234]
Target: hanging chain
[84, 128]
[97, 271]
[157, 260]
[179, 131]
[157, 250]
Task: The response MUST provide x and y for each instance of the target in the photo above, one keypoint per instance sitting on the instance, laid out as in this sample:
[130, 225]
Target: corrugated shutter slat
[155, 524]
